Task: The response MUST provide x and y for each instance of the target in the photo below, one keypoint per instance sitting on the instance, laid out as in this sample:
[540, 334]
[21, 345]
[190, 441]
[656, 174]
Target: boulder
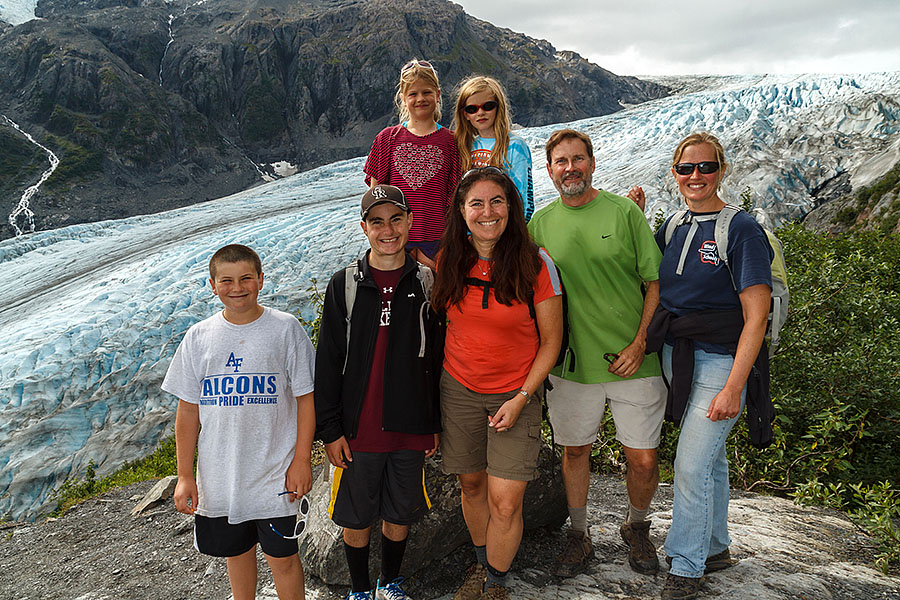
[163, 490]
[441, 531]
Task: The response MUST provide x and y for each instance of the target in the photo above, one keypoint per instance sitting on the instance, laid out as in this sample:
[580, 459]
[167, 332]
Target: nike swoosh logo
[605, 236]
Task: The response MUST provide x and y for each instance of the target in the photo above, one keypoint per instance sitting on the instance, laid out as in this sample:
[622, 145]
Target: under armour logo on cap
[380, 194]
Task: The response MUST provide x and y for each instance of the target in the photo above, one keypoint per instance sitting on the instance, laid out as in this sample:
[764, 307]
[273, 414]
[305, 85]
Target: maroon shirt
[370, 437]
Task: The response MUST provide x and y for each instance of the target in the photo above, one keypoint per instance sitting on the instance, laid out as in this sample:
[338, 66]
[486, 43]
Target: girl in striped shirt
[419, 157]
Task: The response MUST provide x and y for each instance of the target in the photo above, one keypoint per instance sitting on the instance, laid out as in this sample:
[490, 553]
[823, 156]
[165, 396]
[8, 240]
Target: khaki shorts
[468, 445]
[637, 405]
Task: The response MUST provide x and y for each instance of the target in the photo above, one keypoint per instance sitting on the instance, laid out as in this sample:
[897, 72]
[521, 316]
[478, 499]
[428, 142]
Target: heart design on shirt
[417, 164]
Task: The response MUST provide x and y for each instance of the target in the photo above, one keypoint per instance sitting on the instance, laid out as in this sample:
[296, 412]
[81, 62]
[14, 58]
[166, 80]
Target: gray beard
[573, 189]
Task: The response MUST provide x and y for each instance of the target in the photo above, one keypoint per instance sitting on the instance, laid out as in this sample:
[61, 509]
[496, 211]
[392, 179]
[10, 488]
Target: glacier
[91, 314]
[17, 12]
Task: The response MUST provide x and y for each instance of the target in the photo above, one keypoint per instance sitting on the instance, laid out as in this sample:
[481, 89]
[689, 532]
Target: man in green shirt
[605, 252]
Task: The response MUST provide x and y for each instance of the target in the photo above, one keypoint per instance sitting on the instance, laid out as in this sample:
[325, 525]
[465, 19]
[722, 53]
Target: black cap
[380, 194]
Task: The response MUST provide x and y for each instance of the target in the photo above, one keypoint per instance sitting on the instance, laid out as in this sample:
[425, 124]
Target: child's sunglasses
[487, 106]
[706, 167]
[417, 63]
[302, 514]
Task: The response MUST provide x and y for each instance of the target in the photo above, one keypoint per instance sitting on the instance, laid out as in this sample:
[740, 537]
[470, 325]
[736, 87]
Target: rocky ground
[97, 551]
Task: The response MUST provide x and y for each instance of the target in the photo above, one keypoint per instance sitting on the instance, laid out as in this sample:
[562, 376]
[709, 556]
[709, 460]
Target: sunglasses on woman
[706, 167]
[488, 169]
[487, 106]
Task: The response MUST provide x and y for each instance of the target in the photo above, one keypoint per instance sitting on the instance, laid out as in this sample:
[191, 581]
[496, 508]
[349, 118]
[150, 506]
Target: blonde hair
[702, 137]
[411, 73]
[464, 132]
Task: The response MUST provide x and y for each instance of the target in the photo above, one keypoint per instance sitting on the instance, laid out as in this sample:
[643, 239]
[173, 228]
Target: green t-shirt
[604, 251]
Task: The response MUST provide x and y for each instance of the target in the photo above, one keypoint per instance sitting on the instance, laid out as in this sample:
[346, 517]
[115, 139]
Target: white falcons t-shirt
[245, 379]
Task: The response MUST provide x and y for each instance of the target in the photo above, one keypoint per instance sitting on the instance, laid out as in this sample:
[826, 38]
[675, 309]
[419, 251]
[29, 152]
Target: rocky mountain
[875, 206]
[153, 104]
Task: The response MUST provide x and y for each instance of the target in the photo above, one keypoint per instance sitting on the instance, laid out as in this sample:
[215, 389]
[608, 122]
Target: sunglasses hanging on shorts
[706, 167]
[302, 514]
[487, 106]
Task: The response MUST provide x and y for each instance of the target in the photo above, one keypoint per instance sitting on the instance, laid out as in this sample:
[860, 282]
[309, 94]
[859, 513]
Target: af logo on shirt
[709, 253]
[234, 362]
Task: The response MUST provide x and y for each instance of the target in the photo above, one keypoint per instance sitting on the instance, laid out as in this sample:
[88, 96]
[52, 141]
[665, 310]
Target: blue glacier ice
[91, 314]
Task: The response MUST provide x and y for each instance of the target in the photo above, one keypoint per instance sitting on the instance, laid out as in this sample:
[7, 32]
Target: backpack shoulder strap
[676, 220]
[723, 225]
[426, 278]
[352, 277]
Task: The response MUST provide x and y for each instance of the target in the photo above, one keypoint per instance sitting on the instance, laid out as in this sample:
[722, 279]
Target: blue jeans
[700, 509]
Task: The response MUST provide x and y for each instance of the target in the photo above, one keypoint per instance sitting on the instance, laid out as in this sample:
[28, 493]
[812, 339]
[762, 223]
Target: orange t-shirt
[491, 350]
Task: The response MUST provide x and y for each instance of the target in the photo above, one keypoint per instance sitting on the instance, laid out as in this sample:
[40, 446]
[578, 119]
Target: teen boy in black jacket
[377, 392]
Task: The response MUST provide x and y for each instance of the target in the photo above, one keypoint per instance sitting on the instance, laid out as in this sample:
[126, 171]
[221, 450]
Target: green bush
[161, 463]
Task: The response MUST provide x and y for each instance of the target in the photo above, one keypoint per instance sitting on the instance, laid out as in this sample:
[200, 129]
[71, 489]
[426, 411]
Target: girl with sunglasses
[483, 130]
[502, 298]
[419, 157]
[710, 326]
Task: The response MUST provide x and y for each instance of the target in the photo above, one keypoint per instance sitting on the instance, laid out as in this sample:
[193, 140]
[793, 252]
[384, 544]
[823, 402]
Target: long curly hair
[464, 132]
[516, 262]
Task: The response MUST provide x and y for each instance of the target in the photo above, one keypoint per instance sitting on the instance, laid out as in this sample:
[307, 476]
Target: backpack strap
[426, 279]
[683, 217]
[352, 277]
[723, 225]
[487, 285]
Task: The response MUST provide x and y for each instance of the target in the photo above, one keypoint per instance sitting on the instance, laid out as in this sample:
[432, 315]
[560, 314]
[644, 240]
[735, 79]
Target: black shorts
[390, 485]
[215, 536]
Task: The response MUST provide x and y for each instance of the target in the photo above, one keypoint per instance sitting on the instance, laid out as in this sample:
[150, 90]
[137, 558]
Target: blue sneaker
[360, 595]
[391, 591]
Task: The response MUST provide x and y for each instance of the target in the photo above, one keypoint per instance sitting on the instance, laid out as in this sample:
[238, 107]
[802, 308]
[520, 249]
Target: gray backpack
[780, 295]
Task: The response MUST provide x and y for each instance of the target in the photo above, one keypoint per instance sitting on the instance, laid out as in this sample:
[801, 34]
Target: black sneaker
[716, 562]
[641, 551]
[578, 551]
[680, 588]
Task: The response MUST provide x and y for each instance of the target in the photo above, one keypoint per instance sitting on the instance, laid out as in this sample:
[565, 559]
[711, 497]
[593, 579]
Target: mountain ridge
[153, 105]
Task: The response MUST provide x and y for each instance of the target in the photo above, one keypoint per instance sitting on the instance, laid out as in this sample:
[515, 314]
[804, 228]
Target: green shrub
[161, 463]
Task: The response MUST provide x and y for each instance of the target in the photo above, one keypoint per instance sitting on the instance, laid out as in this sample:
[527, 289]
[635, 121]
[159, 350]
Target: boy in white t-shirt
[246, 375]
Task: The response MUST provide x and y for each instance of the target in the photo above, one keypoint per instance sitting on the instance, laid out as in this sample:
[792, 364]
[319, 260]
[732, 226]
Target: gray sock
[635, 515]
[481, 555]
[578, 516]
[494, 577]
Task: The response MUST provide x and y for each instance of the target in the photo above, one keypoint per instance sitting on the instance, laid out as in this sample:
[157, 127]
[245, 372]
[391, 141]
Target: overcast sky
[662, 37]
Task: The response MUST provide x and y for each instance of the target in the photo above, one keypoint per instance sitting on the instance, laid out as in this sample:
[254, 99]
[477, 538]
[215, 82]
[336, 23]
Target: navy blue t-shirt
[705, 283]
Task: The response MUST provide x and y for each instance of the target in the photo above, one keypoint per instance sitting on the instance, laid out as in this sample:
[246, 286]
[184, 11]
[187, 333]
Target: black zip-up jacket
[411, 382]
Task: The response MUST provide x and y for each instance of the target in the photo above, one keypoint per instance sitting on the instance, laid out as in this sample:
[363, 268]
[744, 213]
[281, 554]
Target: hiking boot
[575, 555]
[720, 561]
[473, 584]
[641, 551]
[391, 591]
[495, 592]
[714, 563]
[680, 588]
[361, 595]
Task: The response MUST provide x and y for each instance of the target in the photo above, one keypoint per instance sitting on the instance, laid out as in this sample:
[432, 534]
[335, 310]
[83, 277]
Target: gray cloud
[656, 37]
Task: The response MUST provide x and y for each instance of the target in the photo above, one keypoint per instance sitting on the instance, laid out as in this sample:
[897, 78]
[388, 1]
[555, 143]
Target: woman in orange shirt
[502, 298]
